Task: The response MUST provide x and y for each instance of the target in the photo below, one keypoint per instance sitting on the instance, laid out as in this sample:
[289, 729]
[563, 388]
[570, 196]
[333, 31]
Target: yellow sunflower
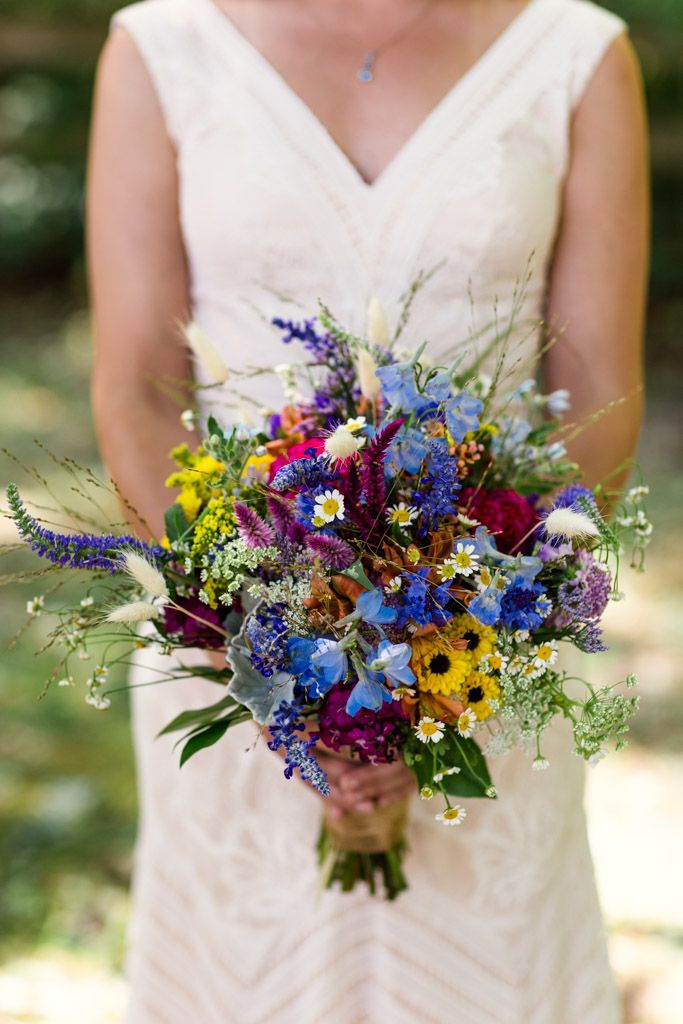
[480, 639]
[439, 669]
[477, 693]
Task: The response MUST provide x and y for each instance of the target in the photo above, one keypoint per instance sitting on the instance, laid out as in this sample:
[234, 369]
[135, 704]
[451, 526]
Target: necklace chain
[366, 71]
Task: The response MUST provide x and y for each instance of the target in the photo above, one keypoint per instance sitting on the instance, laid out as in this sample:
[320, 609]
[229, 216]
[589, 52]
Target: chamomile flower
[401, 691]
[520, 636]
[493, 662]
[87, 602]
[452, 815]
[329, 506]
[35, 605]
[488, 579]
[426, 793]
[540, 764]
[638, 492]
[66, 681]
[440, 776]
[428, 730]
[467, 521]
[355, 424]
[413, 555]
[466, 723]
[544, 655]
[402, 514]
[394, 585]
[462, 562]
[188, 419]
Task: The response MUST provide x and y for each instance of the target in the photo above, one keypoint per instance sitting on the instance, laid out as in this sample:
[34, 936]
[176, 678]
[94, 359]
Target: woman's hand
[360, 788]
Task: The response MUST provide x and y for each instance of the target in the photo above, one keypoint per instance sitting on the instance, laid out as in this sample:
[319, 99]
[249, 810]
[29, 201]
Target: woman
[247, 149]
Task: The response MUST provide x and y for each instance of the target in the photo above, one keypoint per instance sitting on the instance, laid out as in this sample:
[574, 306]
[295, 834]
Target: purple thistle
[254, 531]
[78, 550]
[332, 552]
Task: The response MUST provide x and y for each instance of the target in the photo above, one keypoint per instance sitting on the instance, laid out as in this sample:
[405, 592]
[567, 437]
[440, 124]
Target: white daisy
[329, 506]
[355, 424]
[452, 815]
[466, 723]
[87, 602]
[462, 562]
[493, 662]
[402, 514]
[539, 764]
[35, 605]
[428, 730]
[399, 692]
[393, 586]
[544, 655]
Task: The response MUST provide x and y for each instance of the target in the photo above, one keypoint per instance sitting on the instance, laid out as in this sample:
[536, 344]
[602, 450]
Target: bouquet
[386, 566]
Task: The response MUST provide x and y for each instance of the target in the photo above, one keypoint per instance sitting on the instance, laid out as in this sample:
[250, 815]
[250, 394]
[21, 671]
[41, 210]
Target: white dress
[501, 924]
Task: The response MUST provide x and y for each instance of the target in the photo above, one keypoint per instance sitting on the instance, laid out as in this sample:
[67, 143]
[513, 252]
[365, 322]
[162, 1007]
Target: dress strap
[592, 30]
[166, 36]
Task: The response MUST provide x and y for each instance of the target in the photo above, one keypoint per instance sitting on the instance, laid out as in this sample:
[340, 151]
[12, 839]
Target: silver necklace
[366, 72]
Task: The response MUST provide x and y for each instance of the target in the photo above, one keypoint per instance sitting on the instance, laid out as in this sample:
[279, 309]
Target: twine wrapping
[377, 831]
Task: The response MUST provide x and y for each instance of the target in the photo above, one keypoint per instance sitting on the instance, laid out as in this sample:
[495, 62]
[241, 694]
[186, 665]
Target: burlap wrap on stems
[376, 831]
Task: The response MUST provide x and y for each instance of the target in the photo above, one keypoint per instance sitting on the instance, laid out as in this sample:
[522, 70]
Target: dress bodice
[272, 207]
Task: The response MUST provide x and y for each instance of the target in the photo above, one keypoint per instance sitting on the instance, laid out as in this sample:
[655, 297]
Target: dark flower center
[440, 664]
[475, 695]
[473, 640]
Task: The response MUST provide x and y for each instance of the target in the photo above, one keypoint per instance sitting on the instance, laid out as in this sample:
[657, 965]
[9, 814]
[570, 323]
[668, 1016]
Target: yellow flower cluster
[197, 478]
[450, 672]
[217, 521]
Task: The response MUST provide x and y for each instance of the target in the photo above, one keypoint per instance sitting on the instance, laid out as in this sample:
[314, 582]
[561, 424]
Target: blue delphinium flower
[391, 660]
[369, 692]
[524, 605]
[399, 387]
[436, 493]
[370, 607]
[267, 631]
[408, 451]
[285, 729]
[422, 602]
[462, 415]
[318, 664]
[486, 606]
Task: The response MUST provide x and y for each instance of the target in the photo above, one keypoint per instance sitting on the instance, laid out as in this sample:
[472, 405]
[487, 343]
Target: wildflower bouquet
[387, 565]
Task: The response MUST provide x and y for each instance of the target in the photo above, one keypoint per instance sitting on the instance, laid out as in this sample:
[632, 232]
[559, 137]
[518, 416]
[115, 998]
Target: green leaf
[356, 572]
[206, 738]
[197, 716]
[214, 428]
[176, 523]
[474, 778]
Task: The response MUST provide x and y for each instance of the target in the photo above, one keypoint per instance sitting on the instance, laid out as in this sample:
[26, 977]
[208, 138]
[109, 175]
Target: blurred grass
[67, 792]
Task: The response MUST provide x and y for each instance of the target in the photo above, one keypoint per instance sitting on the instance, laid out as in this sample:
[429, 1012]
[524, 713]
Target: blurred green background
[67, 791]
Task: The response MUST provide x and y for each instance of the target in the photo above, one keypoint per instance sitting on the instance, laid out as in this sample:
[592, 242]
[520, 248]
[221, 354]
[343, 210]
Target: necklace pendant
[366, 72]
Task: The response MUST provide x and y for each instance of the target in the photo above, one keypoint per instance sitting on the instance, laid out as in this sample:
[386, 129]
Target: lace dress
[501, 924]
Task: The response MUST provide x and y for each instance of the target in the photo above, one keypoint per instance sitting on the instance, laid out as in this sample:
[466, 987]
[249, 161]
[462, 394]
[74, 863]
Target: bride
[245, 150]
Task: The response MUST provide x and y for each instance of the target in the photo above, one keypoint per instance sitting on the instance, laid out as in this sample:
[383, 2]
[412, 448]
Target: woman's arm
[138, 279]
[598, 283]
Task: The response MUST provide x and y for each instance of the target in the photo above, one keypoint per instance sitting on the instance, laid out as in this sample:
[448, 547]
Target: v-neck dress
[501, 924]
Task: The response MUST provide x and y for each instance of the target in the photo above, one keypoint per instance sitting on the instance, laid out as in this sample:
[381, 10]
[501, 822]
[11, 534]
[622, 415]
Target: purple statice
[436, 493]
[301, 473]
[375, 736]
[266, 631]
[586, 596]
[189, 621]
[285, 731]
[78, 550]
[422, 602]
[523, 605]
[588, 638]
